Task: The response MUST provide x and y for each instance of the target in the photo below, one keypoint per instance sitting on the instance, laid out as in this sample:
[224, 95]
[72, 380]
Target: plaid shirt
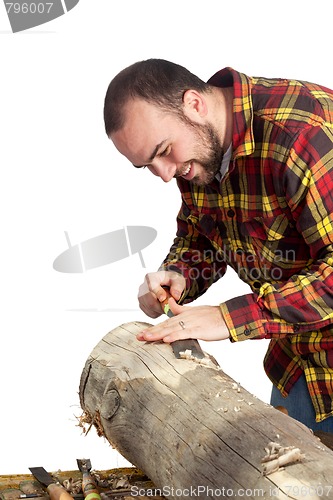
[271, 220]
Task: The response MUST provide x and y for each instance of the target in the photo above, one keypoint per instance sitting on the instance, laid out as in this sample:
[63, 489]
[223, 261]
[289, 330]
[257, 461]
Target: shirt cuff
[244, 318]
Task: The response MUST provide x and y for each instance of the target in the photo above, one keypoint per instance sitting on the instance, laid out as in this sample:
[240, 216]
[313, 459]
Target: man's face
[167, 145]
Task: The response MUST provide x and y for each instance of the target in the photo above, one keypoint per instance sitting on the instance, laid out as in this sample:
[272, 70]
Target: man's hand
[201, 322]
[152, 293]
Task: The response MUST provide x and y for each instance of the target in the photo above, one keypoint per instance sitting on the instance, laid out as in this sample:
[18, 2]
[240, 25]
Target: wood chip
[278, 456]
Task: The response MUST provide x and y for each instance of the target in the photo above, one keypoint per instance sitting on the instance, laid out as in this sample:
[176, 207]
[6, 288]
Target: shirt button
[255, 273]
[239, 251]
[257, 285]
[247, 331]
[230, 213]
[296, 328]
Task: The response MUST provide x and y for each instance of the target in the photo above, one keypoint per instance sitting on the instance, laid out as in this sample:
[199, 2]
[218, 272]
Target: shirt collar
[242, 138]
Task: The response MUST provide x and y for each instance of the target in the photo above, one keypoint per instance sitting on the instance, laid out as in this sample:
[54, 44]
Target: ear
[195, 105]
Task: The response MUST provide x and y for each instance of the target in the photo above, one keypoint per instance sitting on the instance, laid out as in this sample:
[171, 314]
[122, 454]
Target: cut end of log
[131, 356]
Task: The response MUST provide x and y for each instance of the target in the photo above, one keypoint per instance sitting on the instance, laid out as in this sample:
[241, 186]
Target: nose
[164, 170]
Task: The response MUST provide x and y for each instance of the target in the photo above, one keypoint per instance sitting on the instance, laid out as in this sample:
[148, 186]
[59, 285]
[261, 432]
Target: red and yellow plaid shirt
[271, 220]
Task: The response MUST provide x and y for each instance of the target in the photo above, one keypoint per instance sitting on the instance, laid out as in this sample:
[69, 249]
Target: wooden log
[192, 429]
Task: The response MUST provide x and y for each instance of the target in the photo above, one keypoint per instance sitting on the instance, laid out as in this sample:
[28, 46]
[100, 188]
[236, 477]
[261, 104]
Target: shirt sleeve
[193, 255]
[304, 302]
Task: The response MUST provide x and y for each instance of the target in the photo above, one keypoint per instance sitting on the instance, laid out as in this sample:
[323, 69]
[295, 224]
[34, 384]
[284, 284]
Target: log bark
[192, 429]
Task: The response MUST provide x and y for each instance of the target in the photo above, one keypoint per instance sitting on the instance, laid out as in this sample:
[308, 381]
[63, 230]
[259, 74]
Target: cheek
[184, 152]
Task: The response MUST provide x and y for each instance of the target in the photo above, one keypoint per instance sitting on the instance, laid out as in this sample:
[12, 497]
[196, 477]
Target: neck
[223, 114]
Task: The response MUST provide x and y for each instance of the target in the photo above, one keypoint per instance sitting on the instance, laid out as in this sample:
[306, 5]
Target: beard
[209, 153]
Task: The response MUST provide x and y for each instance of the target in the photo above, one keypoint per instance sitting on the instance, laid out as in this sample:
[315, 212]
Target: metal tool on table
[89, 486]
[130, 492]
[55, 490]
[181, 346]
[31, 495]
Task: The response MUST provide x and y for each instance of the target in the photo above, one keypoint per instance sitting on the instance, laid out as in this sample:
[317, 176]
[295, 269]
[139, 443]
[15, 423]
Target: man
[253, 160]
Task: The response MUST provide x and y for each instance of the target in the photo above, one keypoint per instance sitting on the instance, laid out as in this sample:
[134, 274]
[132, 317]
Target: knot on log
[110, 403]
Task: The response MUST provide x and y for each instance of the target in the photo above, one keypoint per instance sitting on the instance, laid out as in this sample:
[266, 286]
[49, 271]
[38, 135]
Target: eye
[166, 151]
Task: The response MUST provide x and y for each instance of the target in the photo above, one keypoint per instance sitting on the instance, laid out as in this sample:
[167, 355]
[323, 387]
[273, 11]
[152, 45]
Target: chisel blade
[42, 475]
[55, 490]
[181, 346]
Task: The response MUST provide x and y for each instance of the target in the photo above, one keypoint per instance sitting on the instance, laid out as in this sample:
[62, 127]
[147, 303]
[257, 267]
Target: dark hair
[155, 80]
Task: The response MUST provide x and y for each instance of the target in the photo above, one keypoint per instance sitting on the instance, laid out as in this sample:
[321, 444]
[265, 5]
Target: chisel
[181, 346]
[55, 490]
[89, 486]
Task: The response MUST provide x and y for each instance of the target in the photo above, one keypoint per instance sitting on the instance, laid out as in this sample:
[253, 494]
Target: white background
[59, 172]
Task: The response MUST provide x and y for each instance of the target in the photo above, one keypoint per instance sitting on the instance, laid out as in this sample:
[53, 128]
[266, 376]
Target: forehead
[140, 112]
[145, 126]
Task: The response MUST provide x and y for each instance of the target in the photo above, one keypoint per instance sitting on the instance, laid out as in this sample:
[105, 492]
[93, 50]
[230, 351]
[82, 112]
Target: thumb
[174, 307]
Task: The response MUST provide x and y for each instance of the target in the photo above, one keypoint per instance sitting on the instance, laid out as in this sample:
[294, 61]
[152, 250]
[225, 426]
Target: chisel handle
[165, 303]
[58, 492]
[93, 495]
[89, 487]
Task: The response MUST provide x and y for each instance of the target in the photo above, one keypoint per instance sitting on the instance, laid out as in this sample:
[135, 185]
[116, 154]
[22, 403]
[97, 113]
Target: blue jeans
[299, 406]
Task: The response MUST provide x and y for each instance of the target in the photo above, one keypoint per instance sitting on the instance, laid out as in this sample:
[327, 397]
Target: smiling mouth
[186, 171]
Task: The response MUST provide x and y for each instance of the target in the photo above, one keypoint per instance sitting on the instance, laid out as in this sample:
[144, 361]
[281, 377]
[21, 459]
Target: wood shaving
[188, 355]
[112, 482]
[74, 487]
[82, 421]
[204, 361]
[278, 456]
[91, 420]
[121, 483]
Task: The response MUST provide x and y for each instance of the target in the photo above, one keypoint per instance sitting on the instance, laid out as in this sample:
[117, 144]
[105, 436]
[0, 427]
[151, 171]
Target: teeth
[187, 170]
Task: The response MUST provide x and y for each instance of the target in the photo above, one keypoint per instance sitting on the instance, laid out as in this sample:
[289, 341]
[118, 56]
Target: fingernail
[144, 335]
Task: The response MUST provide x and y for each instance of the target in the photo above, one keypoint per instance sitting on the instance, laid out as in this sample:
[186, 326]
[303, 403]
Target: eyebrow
[154, 153]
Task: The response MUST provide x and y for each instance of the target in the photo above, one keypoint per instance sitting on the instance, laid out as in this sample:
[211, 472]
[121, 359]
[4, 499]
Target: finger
[167, 331]
[151, 312]
[150, 305]
[140, 337]
[177, 284]
[176, 289]
[151, 283]
[148, 302]
[173, 280]
[153, 333]
[154, 283]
